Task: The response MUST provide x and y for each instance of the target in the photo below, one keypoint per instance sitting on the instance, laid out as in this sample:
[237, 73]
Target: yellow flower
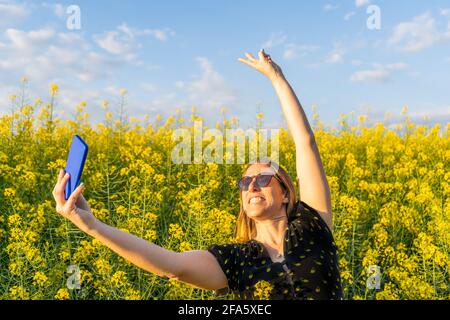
[185, 246]
[64, 255]
[102, 266]
[86, 277]
[389, 292]
[105, 104]
[132, 294]
[9, 192]
[62, 294]
[159, 178]
[176, 231]
[18, 293]
[53, 89]
[263, 290]
[81, 106]
[404, 110]
[119, 279]
[37, 102]
[14, 220]
[151, 235]
[27, 110]
[39, 279]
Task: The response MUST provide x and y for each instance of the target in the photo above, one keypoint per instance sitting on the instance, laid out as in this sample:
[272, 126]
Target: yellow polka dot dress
[309, 270]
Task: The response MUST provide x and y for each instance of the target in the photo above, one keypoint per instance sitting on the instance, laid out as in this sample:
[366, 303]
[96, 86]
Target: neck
[271, 231]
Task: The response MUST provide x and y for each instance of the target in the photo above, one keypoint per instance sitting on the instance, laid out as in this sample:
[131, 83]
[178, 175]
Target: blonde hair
[245, 227]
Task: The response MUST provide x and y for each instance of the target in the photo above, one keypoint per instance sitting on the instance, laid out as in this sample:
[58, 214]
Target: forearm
[140, 252]
[293, 112]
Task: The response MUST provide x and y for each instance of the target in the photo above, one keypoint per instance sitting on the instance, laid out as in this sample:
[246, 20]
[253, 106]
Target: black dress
[309, 269]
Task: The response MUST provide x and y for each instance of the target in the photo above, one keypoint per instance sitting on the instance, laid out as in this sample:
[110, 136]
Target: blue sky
[179, 54]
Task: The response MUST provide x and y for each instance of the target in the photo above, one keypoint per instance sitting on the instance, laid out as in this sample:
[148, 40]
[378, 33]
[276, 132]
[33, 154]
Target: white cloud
[148, 87]
[290, 50]
[349, 15]
[27, 41]
[58, 9]
[158, 34]
[125, 40]
[179, 84]
[12, 13]
[436, 114]
[276, 39]
[445, 12]
[69, 59]
[360, 3]
[330, 7]
[379, 73]
[112, 43]
[442, 114]
[294, 51]
[418, 34]
[210, 89]
[44, 55]
[336, 55]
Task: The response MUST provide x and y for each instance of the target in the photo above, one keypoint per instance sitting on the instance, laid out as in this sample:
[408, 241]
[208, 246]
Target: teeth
[256, 200]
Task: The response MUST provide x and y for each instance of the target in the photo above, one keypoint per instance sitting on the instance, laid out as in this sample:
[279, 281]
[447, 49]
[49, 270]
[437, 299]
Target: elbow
[177, 271]
[170, 269]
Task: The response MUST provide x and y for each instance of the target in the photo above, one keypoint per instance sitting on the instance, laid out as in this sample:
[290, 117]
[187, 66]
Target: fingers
[58, 191]
[261, 55]
[249, 63]
[82, 203]
[250, 57]
[74, 196]
[60, 175]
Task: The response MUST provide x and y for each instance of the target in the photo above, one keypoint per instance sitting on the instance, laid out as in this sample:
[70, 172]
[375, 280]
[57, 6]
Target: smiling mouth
[256, 199]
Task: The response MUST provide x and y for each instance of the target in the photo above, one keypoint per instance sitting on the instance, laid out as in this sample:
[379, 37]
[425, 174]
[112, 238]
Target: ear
[285, 200]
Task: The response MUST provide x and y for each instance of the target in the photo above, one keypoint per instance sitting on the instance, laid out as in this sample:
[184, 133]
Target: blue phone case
[75, 164]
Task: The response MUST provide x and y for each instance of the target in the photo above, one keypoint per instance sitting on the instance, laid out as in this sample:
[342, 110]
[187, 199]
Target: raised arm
[313, 185]
[198, 268]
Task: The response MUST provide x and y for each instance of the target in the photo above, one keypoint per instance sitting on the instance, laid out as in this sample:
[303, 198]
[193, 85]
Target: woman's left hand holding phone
[75, 208]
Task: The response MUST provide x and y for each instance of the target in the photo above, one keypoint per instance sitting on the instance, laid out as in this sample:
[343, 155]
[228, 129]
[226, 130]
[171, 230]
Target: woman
[283, 243]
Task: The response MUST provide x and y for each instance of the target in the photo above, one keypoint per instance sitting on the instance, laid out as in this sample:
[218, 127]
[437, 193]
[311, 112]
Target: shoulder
[232, 258]
[234, 251]
[308, 218]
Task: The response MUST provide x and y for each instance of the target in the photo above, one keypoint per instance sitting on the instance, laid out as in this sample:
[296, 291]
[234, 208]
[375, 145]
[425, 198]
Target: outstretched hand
[75, 208]
[264, 64]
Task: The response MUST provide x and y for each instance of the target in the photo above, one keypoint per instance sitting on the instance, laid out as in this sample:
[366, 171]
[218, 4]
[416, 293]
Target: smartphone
[75, 164]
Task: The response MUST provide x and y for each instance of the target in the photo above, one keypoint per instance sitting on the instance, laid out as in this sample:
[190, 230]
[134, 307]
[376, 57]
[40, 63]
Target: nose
[253, 186]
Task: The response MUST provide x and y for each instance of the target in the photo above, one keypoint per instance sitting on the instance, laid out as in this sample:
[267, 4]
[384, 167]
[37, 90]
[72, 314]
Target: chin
[255, 214]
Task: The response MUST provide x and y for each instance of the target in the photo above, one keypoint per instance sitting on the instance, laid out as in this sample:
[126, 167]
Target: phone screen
[75, 164]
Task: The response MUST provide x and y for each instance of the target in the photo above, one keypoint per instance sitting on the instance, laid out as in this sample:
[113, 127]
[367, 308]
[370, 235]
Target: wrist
[91, 226]
[277, 79]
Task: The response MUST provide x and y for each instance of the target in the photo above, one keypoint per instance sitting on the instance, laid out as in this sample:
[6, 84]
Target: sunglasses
[261, 180]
